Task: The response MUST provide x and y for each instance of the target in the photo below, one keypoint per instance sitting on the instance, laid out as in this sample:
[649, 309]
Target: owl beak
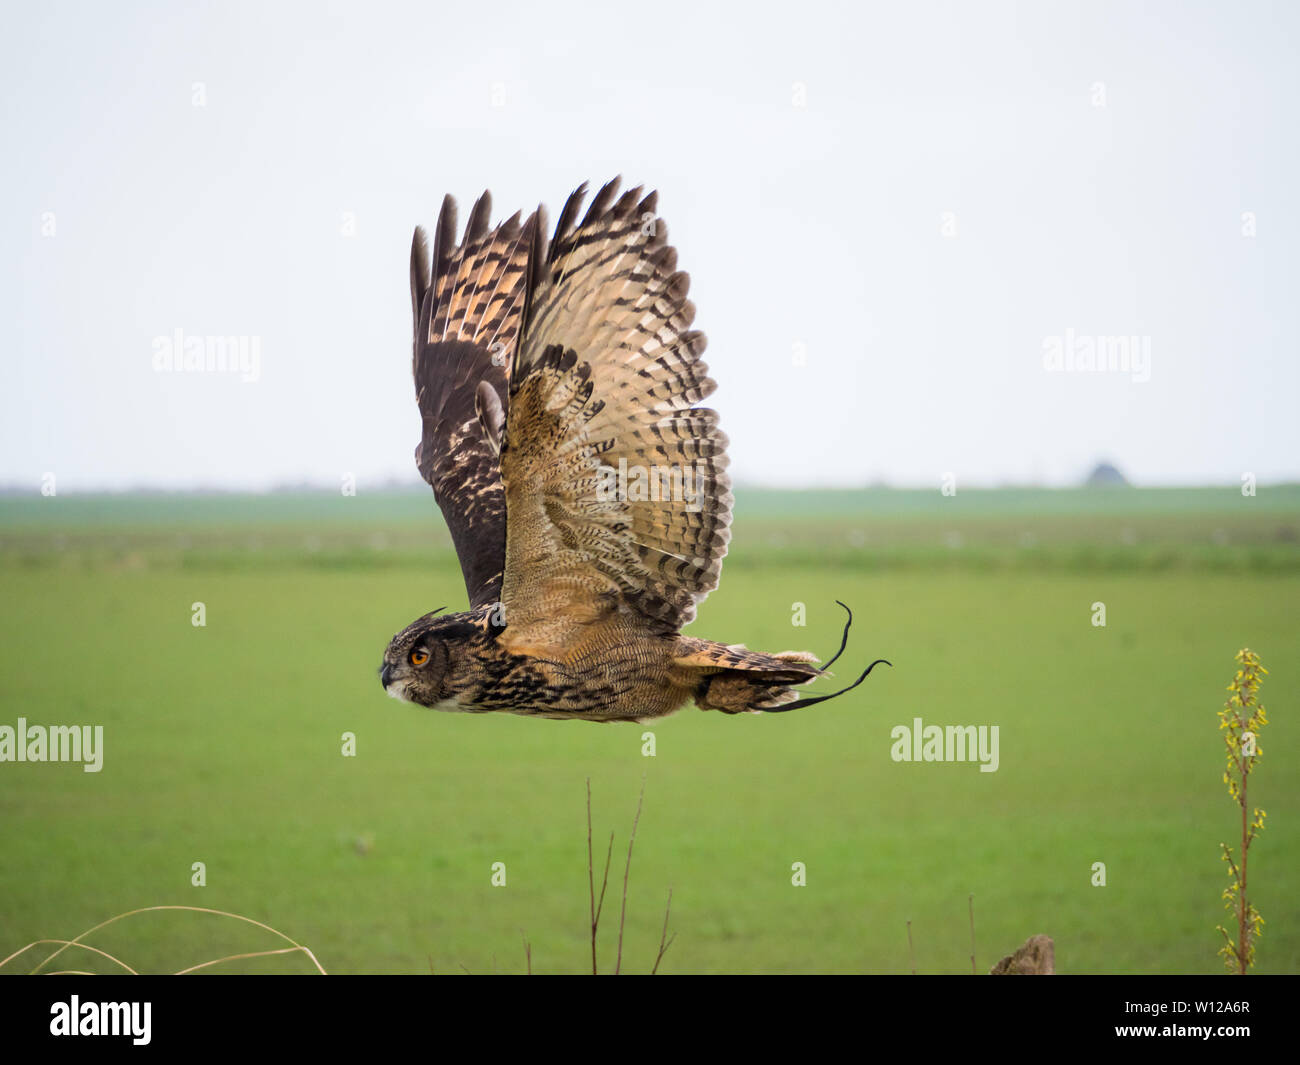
[385, 675]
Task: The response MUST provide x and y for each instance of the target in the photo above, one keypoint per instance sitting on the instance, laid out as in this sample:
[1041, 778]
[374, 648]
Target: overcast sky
[907, 225]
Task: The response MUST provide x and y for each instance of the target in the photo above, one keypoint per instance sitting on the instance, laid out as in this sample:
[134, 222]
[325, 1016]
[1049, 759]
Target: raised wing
[468, 311]
[617, 501]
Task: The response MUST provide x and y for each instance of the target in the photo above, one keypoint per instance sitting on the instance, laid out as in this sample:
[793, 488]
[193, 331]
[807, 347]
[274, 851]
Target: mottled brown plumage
[585, 490]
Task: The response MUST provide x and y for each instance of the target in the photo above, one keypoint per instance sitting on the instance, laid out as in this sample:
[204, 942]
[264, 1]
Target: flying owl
[585, 490]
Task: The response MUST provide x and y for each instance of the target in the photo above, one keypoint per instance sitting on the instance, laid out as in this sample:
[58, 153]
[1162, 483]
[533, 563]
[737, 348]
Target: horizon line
[18, 491]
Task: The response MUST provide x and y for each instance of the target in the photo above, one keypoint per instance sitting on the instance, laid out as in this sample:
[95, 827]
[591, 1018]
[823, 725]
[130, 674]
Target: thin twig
[971, 900]
[236, 957]
[591, 881]
[663, 946]
[528, 952]
[604, 882]
[596, 907]
[69, 943]
[149, 909]
[618, 964]
[600, 903]
[910, 952]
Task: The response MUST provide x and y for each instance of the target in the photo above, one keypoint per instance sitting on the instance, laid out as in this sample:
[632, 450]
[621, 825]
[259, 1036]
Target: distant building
[1105, 476]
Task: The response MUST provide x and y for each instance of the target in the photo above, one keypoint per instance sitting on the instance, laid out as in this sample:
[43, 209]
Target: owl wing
[617, 500]
[468, 310]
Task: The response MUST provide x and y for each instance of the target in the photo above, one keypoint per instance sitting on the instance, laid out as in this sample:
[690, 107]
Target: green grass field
[223, 743]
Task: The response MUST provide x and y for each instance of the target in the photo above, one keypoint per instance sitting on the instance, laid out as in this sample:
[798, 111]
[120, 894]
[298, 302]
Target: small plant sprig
[665, 940]
[1242, 719]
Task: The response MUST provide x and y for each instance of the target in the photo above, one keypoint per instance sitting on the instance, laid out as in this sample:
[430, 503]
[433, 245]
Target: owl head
[419, 664]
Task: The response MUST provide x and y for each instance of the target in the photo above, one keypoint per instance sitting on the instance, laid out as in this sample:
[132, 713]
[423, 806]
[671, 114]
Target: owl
[558, 382]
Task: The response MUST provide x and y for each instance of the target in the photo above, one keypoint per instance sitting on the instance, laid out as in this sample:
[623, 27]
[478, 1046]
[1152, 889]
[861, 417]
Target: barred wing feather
[617, 499]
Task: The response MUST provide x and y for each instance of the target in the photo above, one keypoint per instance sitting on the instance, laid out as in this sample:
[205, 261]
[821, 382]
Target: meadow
[223, 744]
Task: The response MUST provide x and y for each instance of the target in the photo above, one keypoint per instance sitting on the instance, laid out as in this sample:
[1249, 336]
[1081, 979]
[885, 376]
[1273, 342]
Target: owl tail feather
[737, 680]
[799, 704]
[844, 642]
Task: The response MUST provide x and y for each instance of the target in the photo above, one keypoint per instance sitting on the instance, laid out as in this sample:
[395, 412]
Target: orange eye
[419, 657]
